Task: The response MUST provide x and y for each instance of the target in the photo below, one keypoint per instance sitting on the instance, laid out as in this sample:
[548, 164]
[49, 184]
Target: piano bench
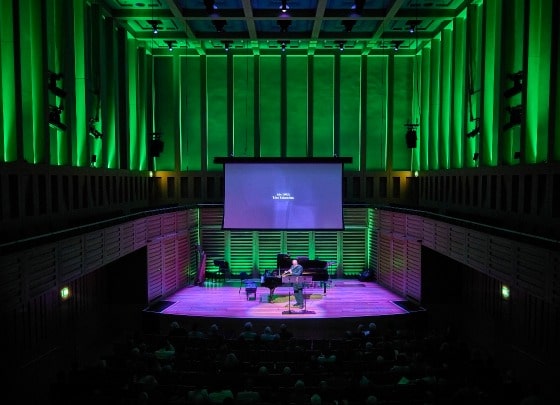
[251, 291]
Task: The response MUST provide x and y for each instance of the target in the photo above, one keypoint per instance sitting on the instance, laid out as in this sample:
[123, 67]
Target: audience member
[248, 334]
[285, 333]
[268, 336]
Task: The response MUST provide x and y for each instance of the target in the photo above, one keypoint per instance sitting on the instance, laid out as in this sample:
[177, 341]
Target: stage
[338, 306]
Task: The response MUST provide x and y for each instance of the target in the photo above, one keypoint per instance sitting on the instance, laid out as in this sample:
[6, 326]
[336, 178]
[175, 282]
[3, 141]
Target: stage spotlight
[210, 5]
[155, 25]
[411, 137]
[54, 118]
[358, 5]
[170, 45]
[284, 24]
[412, 25]
[53, 78]
[517, 87]
[227, 44]
[515, 116]
[341, 45]
[397, 45]
[156, 145]
[283, 45]
[284, 6]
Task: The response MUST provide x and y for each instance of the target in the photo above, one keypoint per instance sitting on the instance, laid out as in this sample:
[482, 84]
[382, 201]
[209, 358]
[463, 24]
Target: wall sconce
[397, 45]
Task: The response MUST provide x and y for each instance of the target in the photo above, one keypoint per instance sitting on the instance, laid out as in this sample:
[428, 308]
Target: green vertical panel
[165, 112]
[435, 103]
[538, 81]
[491, 87]
[132, 75]
[217, 109]
[511, 62]
[108, 77]
[376, 113]
[80, 119]
[191, 129]
[459, 94]
[402, 110]
[8, 145]
[243, 105]
[323, 106]
[296, 99]
[270, 119]
[446, 96]
[474, 80]
[350, 109]
[416, 111]
[142, 114]
[425, 90]
[32, 79]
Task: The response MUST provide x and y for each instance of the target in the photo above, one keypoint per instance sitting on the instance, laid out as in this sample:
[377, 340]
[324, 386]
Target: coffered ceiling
[306, 26]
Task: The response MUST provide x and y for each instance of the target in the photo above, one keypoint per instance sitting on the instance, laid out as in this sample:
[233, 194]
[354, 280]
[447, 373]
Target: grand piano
[317, 269]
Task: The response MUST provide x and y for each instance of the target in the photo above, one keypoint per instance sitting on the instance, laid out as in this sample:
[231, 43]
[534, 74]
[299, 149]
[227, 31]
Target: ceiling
[307, 26]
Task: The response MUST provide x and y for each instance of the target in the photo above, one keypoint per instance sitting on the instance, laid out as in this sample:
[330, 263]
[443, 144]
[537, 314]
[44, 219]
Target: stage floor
[341, 306]
[341, 298]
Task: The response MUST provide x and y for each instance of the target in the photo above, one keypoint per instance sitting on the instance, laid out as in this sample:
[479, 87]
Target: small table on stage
[291, 280]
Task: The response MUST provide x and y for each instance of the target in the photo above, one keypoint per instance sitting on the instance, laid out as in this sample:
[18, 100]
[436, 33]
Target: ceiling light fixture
[227, 44]
[170, 44]
[219, 24]
[412, 25]
[155, 25]
[284, 6]
[284, 24]
[283, 44]
[210, 5]
[341, 45]
[397, 45]
[348, 24]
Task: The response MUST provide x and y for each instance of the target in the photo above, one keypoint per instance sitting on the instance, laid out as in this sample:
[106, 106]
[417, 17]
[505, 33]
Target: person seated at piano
[296, 270]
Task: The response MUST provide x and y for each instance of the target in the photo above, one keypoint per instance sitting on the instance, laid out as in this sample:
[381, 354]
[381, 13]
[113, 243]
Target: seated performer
[296, 270]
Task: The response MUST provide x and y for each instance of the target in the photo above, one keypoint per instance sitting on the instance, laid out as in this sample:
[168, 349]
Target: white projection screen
[283, 195]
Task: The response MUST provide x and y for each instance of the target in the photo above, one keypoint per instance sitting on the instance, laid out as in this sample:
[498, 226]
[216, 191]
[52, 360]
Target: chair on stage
[243, 277]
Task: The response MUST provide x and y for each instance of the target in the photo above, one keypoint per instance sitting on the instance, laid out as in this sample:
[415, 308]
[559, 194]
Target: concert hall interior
[162, 162]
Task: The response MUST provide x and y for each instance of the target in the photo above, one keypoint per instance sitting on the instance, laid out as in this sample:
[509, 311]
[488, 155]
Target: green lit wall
[284, 104]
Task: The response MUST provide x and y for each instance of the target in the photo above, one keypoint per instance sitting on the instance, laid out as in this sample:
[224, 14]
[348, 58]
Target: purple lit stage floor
[345, 304]
[343, 298]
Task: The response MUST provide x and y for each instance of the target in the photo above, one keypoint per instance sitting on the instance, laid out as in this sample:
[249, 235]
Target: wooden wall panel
[70, 258]
[268, 241]
[112, 244]
[170, 269]
[457, 243]
[399, 223]
[500, 258]
[155, 270]
[126, 244]
[93, 250]
[11, 282]
[385, 259]
[531, 274]
[413, 283]
[354, 244]
[429, 233]
[140, 233]
[441, 241]
[477, 250]
[242, 245]
[398, 265]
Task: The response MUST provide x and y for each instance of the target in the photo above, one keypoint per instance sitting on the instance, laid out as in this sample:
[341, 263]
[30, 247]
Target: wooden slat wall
[242, 244]
[268, 241]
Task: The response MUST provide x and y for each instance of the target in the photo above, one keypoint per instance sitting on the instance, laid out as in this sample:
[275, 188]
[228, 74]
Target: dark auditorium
[280, 202]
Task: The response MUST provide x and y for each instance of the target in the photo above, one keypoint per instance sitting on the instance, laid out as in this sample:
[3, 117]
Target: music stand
[297, 280]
